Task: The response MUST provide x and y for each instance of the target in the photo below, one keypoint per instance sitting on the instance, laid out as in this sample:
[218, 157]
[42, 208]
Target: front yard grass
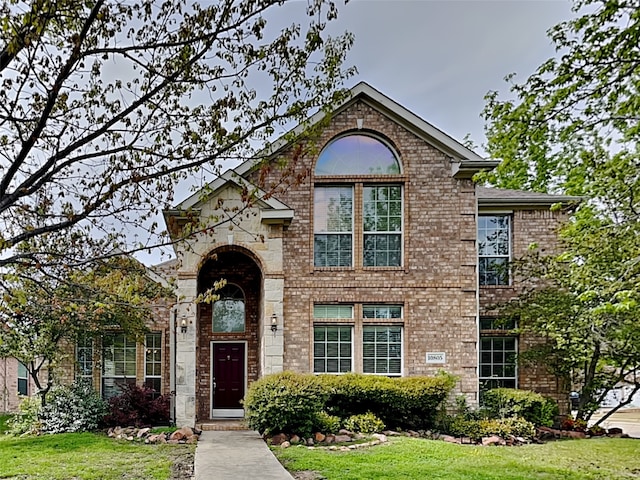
[87, 456]
[411, 458]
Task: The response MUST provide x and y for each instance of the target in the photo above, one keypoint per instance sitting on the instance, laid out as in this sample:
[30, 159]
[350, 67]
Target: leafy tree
[574, 127]
[106, 105]
[41, 315]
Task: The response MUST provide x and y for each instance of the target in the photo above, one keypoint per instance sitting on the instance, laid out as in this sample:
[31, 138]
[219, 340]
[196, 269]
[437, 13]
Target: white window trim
[352, 357]
[480, 363]
[508, 256]
[146, 375]
[402, 353]
[350, 232]
[402, 225]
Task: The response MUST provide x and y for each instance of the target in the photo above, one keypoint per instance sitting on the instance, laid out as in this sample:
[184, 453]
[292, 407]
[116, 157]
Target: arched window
[228, 310]
[348, 206]
[357, 154]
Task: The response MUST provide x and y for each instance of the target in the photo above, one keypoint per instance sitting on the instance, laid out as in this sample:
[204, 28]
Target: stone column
[273, 342]
[185, 362]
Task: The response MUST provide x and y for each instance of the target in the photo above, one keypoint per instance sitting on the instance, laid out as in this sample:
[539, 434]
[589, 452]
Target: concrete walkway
[628, 419]
[236, 455]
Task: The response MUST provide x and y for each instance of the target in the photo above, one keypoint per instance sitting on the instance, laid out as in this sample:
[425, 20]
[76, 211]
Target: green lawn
[85, 456]
[407, 458]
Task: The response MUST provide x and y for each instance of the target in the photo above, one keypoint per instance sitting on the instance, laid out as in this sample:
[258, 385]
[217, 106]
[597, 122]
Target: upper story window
[228, 310]
[494, 249]
[333, 226]
[358, 223]
[357, 155]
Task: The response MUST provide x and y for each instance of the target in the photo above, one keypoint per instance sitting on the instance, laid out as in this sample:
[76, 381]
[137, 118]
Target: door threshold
[228, 413]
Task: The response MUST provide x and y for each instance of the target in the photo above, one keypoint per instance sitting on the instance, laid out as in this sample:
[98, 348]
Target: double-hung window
[23, 379]
[382, 225]
[498, 354]
[153, 362]
[84, 357]
[494, 249]
[333, 226]
[118, 363]
[382, 344]
[332, 342]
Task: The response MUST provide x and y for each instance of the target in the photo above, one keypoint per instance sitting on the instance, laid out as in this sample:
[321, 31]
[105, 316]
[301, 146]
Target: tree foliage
[41, 315]
[574, 127]
[105, 105]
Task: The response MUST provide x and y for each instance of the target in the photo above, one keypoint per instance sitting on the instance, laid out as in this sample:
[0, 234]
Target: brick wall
[529, 226]
[437, 281]
[9, 398]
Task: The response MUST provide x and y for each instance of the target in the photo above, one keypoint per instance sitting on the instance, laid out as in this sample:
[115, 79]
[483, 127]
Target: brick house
[14, 384]
[382, 257]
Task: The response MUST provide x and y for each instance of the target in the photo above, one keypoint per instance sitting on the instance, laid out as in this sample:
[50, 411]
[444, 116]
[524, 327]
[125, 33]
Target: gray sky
[439, 58]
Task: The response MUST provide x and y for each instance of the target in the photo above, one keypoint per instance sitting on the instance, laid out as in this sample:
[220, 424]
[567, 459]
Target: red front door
[228, 375]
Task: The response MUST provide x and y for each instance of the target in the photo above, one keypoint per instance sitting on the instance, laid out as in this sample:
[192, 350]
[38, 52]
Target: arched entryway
[228, 332]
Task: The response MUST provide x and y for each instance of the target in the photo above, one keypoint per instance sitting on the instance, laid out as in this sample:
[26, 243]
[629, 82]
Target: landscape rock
[450, 439]
[492, 440]
[285, 445]
[380, 436]
[278, 439]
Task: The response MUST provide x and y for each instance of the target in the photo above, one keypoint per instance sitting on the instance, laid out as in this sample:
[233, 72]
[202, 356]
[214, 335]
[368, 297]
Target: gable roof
[465, 161]
[502, 197]
[271, 209]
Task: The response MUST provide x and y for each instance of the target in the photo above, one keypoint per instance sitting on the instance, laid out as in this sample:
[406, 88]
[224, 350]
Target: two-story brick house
[382, 257]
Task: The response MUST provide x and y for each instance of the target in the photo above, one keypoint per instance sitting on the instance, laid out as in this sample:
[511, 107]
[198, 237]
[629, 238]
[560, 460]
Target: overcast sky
[439, 58]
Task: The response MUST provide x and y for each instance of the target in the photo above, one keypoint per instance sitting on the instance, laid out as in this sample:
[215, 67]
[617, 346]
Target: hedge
[292, 402]
[511, 402]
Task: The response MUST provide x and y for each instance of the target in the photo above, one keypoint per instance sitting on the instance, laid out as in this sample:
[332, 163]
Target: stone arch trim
[236, 247]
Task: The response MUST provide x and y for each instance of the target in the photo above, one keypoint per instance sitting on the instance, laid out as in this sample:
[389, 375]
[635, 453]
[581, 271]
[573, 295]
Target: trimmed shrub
[511, 402]
[503, 427]
[326, 423]
[364, 423]
[74, 408]
[137, 407]
[285, 402]
[399, 402]
[27, 419]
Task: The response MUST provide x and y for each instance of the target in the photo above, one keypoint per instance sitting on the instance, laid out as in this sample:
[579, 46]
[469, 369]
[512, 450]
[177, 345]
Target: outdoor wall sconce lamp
[274, 323]
[183, 325]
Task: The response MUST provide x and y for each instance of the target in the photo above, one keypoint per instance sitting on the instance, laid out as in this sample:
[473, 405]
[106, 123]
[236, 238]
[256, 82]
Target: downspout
[173, 325]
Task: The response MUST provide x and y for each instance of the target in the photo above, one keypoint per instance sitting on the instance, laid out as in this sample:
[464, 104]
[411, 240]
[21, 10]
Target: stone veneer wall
[437, 282]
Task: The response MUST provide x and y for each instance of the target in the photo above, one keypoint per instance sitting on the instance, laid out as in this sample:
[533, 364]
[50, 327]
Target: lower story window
[382, 349]
[498, 366]
[84, 357]
[153, 362]
[332, 349]
[118, 364]
[23, 379]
